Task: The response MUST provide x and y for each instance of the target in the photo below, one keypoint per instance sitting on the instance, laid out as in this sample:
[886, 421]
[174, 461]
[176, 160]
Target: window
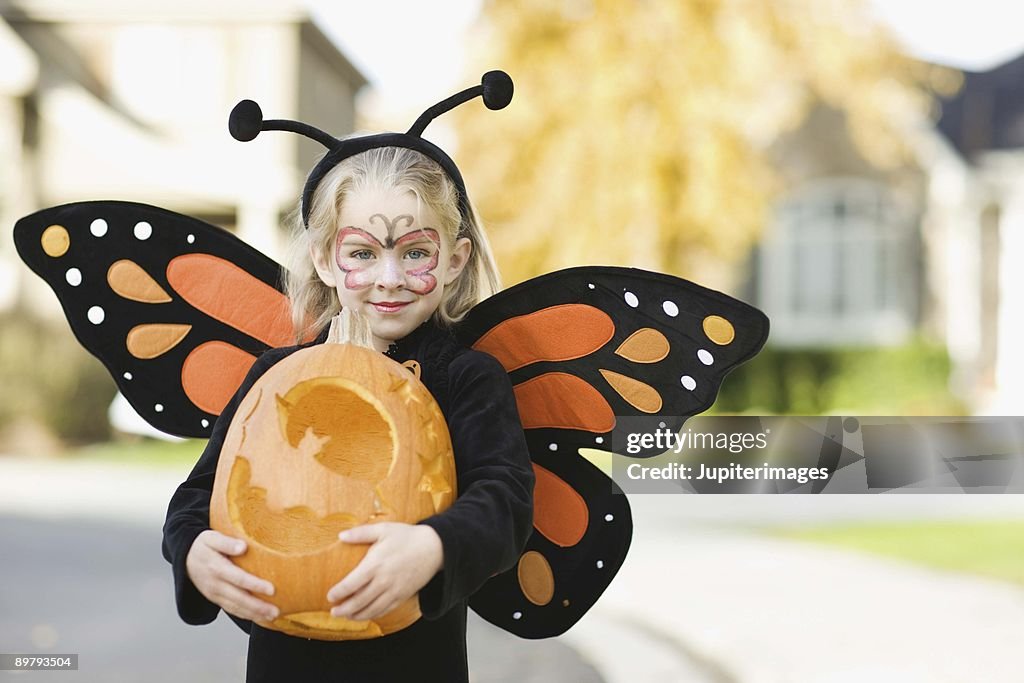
[839, 266]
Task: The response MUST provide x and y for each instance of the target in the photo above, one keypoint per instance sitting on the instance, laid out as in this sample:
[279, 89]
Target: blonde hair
[313, 303]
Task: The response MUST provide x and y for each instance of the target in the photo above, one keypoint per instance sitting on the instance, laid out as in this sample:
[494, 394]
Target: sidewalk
[760, 610]
[701, 600]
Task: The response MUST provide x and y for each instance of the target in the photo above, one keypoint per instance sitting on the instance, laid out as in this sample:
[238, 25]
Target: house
[859, 254]
[119, 99]
[984, 122]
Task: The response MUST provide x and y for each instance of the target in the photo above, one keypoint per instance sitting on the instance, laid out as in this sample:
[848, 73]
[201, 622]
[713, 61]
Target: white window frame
[839, 266]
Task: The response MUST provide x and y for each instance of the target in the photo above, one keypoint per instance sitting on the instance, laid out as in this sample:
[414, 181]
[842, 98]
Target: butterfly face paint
[424, 273]
[360, 254]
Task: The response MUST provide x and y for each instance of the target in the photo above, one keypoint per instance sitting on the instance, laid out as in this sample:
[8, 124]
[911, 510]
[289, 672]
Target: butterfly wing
[175, 308]
[584, 346]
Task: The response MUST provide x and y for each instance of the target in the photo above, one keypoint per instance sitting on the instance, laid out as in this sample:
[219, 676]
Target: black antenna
[495, 86]
[246, 122]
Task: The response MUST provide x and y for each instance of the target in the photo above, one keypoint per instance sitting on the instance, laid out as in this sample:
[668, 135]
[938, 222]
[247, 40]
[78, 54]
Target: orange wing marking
[639, 395]
[229, 294]
[55, 241]
[214, 359]
[150, 341]
[559, 512]
[719, 330]
[556, 333]
[130, 281]
[536, 578]
[646, 345]
[562, 401]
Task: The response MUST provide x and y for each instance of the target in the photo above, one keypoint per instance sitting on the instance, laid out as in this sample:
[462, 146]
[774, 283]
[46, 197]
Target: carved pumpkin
[331, 437]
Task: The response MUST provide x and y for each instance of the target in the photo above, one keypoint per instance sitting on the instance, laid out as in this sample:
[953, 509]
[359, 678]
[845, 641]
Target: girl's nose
[390, 274]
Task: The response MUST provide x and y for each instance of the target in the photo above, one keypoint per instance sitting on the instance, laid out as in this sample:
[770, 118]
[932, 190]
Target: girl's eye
[362, 254]
[417, 254]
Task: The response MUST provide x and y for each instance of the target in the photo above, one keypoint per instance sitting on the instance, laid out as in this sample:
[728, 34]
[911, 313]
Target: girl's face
[391, 262]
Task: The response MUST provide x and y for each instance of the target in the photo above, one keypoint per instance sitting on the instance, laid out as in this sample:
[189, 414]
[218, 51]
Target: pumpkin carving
[331, 437]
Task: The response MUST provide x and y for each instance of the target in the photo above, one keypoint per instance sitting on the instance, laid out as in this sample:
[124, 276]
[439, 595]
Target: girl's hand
[223, 582]
[400, 561]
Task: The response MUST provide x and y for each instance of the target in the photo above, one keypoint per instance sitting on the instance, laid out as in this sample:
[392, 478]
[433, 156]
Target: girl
[387, 233]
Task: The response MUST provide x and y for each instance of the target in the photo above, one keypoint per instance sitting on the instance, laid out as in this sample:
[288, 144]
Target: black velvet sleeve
[484, 531]
[188, 513]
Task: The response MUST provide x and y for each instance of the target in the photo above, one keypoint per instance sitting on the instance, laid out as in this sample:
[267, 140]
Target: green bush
[906, 380]
[49, 379]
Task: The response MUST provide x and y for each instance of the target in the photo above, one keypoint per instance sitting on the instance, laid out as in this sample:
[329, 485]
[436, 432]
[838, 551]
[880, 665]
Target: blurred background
[850, 167]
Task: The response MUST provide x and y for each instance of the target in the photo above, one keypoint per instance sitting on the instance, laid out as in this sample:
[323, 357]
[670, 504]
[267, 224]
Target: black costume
[483, 533]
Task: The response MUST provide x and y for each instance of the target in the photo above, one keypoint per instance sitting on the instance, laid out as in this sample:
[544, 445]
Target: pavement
[747, 608]
[702, 597]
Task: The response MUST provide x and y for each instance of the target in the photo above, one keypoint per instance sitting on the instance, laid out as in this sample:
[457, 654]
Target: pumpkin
[331, 437]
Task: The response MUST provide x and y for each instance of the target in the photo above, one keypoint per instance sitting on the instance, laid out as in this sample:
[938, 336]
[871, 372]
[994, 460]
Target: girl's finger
[356, 580]
[382, 605]
[223, 544]
[358, 601]
[367, 533]
[242, 604]
[237, 576]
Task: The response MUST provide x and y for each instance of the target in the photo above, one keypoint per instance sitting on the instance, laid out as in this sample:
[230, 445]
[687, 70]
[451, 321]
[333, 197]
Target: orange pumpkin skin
[331, 437]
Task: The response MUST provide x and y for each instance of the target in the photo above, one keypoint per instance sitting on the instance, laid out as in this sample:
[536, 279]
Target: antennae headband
[246, 122]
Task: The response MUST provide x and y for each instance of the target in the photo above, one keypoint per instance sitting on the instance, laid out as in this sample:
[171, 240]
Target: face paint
[357, 277]
[390, 226]
[423, 274]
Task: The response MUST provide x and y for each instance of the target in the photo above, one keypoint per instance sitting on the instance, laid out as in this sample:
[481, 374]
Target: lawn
[988, 548]
[144, 453]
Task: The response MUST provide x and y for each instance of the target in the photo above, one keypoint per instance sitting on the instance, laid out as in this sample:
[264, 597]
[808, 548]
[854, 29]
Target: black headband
[246, 122]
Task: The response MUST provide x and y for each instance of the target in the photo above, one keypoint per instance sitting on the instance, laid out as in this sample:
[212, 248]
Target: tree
[639, 128]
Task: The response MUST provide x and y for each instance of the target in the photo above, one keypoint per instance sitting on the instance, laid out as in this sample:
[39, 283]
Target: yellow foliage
[638, 131]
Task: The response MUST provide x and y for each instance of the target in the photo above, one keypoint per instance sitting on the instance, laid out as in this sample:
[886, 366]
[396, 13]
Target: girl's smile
[390, 306]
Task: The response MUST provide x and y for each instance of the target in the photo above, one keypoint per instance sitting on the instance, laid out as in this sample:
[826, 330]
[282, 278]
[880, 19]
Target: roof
[185, 11]
[988, 111]
[236, 11]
